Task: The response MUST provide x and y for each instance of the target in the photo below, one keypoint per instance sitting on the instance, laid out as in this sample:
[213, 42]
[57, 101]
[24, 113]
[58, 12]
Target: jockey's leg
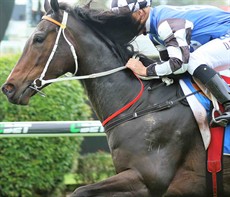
[202, 63]
[218, 87]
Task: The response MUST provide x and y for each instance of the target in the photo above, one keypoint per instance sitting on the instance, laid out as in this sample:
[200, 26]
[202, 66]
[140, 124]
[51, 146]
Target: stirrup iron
[218, 123]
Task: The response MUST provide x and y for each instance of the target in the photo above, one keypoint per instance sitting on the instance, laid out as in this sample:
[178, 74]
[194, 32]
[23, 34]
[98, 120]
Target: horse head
[49, 54]
[19, 86]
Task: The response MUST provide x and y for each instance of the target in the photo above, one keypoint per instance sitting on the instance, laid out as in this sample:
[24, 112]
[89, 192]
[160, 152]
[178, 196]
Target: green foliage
[35, 166]
[31, 167]
[94, 167]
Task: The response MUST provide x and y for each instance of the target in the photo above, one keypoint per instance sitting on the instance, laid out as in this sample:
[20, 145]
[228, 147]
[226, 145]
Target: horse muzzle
[8, 89]
[16, 96]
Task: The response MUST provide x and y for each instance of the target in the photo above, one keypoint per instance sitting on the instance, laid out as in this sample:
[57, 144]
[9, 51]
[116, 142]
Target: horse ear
[87, 6]
[47, 6]
[54, 5]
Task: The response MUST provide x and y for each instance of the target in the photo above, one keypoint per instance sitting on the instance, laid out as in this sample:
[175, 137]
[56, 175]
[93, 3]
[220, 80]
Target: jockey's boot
[220, 90]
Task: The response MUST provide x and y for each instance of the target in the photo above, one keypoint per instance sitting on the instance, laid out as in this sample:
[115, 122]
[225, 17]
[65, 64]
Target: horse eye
[38, 39]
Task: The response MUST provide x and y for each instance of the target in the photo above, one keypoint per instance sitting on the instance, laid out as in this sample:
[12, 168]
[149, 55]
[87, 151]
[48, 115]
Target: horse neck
[110, 93]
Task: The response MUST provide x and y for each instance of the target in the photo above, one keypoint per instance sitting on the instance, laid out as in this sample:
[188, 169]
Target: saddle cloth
[200, 106]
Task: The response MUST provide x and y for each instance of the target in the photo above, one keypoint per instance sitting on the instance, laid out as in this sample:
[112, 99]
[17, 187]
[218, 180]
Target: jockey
[189, 38]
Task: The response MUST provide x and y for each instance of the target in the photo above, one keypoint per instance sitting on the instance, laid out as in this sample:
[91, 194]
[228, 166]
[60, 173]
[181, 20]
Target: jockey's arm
[176, 34]
[163, 53]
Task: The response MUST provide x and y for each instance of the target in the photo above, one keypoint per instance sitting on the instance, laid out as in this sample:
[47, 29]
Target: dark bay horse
[159, 153]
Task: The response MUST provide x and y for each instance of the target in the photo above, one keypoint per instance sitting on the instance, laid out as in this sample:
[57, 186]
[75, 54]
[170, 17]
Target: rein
[40, 82]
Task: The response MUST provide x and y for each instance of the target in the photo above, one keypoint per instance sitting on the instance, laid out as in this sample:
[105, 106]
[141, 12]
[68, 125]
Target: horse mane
[116, 30]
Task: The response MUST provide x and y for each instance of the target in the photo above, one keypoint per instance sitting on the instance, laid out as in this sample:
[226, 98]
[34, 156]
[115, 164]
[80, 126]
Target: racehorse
[155, 152]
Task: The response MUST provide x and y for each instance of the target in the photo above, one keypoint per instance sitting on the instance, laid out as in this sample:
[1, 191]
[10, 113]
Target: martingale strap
[127, 105]
[155, 108]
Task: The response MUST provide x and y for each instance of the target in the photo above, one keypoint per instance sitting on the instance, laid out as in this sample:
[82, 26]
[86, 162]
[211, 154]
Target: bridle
[38, 83]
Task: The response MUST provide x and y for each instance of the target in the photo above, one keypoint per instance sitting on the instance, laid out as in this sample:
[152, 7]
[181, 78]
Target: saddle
[204, 107]
[216, 140]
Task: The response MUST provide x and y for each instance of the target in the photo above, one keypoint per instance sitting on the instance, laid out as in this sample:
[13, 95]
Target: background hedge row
[31, 167]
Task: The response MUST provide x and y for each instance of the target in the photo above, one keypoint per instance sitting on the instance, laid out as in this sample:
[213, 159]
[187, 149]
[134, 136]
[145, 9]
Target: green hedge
[31, 167]
[36, 166]
[94, 167]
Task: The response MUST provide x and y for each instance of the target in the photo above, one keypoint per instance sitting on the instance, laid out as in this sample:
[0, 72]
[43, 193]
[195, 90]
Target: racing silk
[181, 30]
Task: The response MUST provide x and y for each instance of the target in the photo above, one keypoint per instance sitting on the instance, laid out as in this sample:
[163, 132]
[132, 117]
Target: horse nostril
[8, 89]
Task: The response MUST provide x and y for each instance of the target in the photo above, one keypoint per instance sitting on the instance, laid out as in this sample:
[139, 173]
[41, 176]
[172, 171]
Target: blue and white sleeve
[176, 34]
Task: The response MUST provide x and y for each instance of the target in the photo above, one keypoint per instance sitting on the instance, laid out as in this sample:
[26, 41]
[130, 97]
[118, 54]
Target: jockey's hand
[136, 66]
